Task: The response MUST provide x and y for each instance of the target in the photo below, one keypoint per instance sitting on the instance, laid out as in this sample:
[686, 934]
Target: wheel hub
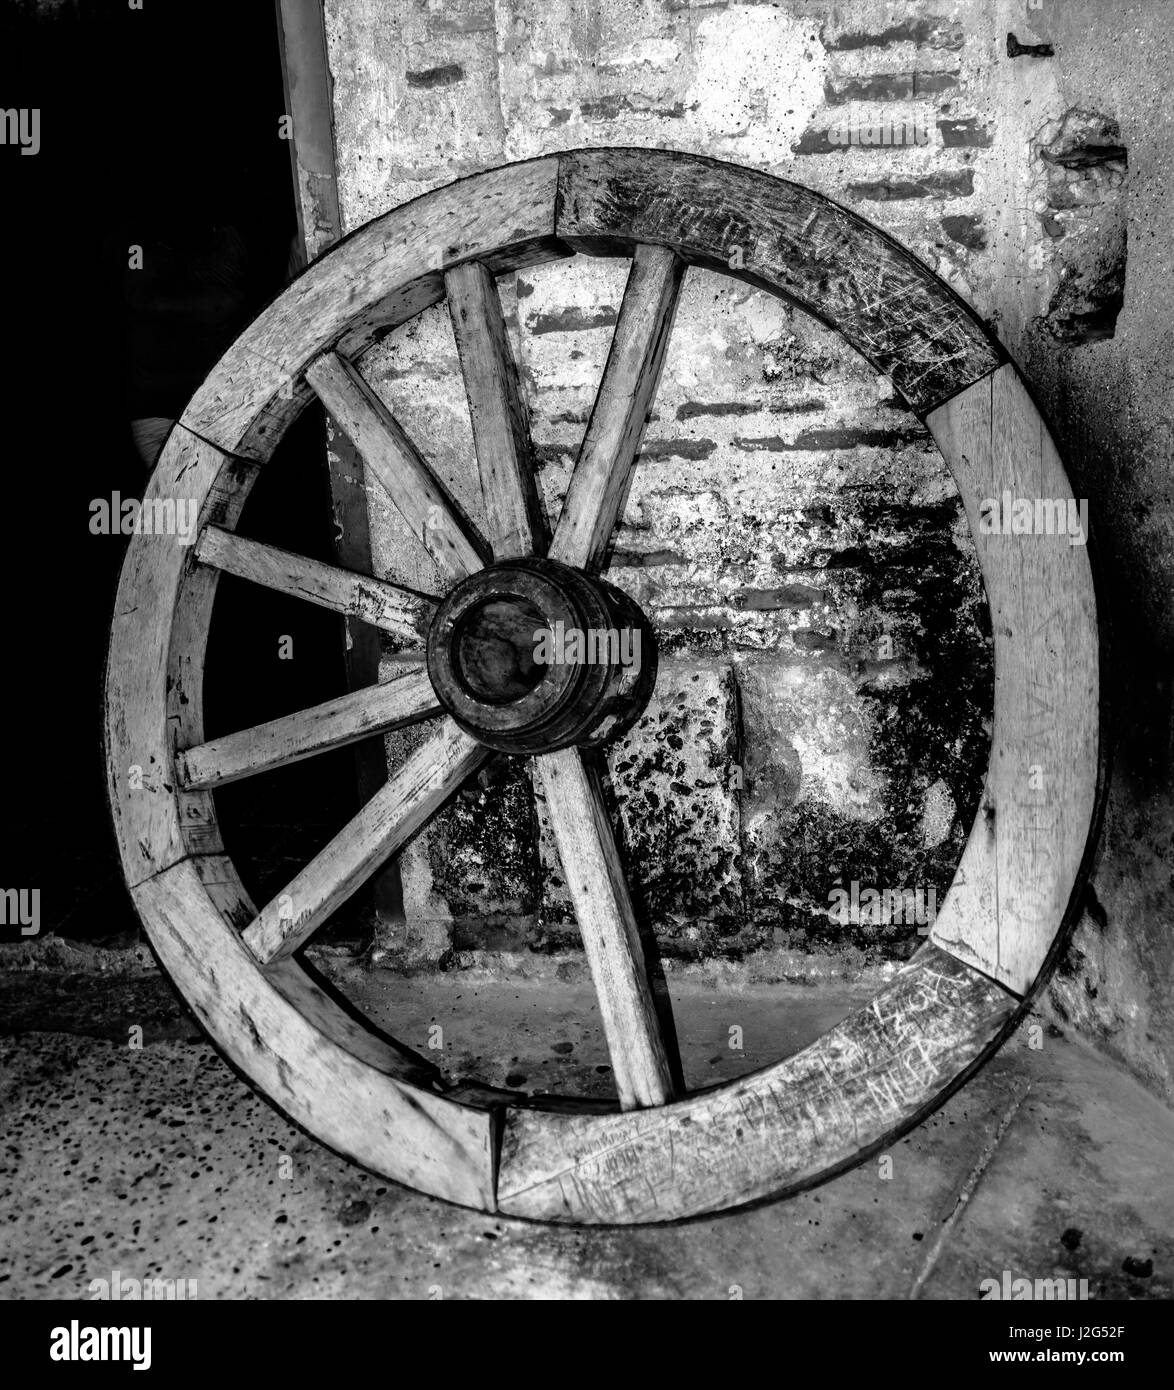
[664, 1154]
[530, 656]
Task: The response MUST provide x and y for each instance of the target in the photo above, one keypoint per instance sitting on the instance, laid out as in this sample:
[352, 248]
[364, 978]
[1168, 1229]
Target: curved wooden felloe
[660, 1156]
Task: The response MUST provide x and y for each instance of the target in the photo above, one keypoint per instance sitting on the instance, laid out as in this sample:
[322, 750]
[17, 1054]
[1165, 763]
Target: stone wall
[822, 715]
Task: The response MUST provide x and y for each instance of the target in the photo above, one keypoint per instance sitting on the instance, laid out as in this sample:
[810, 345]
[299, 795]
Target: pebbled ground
[159, 1162]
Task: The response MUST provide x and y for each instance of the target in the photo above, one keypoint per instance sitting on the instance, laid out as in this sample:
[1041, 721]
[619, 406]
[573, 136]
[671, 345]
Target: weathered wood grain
[835, 265]
[430, 511]
[603, 471]
[217, 875]
[381, 275]
[1024, 853]
[307, 85]
[414, 792]
[860, 1084]
[611, 941]
[264, 1023]
[332, 724]
[154, 669]
[391, 607]
[501, 425]
[784, 1127]
[308, 98]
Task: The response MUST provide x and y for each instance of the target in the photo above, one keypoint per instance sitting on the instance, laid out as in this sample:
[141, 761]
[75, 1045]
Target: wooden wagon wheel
[656, 1156]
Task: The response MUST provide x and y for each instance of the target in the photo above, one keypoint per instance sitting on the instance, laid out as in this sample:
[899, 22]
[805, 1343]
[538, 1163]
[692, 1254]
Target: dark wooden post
[306, 79]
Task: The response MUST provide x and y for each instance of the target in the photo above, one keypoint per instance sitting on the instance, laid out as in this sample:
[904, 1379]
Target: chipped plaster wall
[822, 714]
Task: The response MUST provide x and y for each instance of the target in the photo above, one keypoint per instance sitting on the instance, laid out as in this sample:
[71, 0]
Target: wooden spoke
[611, 941]
[659, 1154]
[419, 496]
[769, 1131]
[353, 716]
[501, 428]
[603, 470]
[378, 602]
[412, 795]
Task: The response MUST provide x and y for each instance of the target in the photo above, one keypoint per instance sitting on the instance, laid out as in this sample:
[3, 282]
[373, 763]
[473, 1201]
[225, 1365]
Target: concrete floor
[160, 1162]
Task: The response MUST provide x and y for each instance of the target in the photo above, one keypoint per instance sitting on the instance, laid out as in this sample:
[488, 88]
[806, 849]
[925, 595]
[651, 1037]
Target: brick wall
[822, 715]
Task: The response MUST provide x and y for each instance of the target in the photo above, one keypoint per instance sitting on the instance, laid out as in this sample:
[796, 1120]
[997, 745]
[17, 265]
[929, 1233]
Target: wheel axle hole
[493, 650]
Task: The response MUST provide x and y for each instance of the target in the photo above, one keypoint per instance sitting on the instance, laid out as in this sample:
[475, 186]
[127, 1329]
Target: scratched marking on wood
[845, 271]
[1023, 856]
[767, 1132]
[878, 1072]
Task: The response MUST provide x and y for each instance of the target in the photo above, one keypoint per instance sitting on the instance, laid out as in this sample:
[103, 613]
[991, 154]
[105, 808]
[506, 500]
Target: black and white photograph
[589, 687]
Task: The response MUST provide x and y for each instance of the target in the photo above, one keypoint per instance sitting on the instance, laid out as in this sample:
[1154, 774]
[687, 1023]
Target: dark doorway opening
[154, 221]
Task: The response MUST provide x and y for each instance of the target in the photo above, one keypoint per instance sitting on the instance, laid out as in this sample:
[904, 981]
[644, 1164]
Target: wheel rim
[660, 1157]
